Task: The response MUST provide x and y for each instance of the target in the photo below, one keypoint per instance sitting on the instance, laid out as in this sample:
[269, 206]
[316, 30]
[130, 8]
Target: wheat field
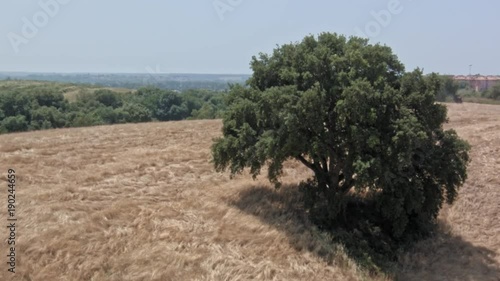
[142, 202]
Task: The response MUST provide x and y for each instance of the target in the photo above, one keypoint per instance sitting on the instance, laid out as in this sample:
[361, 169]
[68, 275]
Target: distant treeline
[179, 82]
[451, 89]
[39, 108]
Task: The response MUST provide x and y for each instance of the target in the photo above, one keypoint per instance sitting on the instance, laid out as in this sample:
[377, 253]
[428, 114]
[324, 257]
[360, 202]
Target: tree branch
[347, 185]
[305, 162]
[325, 165]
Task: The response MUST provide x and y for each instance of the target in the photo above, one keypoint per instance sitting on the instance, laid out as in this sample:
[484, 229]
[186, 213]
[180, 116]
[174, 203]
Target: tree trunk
[335, 194]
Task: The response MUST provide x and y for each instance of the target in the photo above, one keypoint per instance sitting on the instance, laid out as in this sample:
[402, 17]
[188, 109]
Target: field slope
[142, 202]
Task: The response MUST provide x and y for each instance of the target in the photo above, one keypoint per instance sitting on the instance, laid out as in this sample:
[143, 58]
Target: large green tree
[349, 112]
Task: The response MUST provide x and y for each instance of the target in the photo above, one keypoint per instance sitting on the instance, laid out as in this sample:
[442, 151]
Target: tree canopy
[349, 112]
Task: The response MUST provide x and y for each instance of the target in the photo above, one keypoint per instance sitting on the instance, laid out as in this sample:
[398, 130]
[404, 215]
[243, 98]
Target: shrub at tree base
[349, 112]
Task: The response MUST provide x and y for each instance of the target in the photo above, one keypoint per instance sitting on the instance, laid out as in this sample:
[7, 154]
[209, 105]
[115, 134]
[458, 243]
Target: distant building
[478, 83]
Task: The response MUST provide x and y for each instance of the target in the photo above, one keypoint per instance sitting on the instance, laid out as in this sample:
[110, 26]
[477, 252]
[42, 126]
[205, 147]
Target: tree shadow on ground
[440, 257]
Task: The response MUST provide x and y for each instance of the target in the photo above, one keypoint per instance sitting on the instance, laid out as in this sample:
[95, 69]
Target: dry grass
[142, 202]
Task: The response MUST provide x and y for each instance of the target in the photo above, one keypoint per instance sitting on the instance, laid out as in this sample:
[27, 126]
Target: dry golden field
[142, 202]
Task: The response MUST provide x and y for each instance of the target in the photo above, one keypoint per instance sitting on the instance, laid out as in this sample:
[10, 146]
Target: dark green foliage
[46, 117]
[44, 106]
[136, 113]
[108, 115]
[14, 103]
[204, 104]
[149, 97]
[108, 98]
[448, 89]
[494, 92]
[349, 112]
[14, 124]
[165, 105]
[170, 107]
[86, 102]
[207, 111]
[80, 119]
[45, 97]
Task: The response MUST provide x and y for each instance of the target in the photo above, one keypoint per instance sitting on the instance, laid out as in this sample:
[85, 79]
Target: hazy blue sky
[192, 36]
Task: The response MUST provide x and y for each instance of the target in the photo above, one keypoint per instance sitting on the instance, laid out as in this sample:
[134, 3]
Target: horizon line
[143, 73]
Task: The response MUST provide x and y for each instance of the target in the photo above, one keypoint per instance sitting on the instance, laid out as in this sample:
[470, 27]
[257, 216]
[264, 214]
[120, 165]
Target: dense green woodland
[46, 106]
